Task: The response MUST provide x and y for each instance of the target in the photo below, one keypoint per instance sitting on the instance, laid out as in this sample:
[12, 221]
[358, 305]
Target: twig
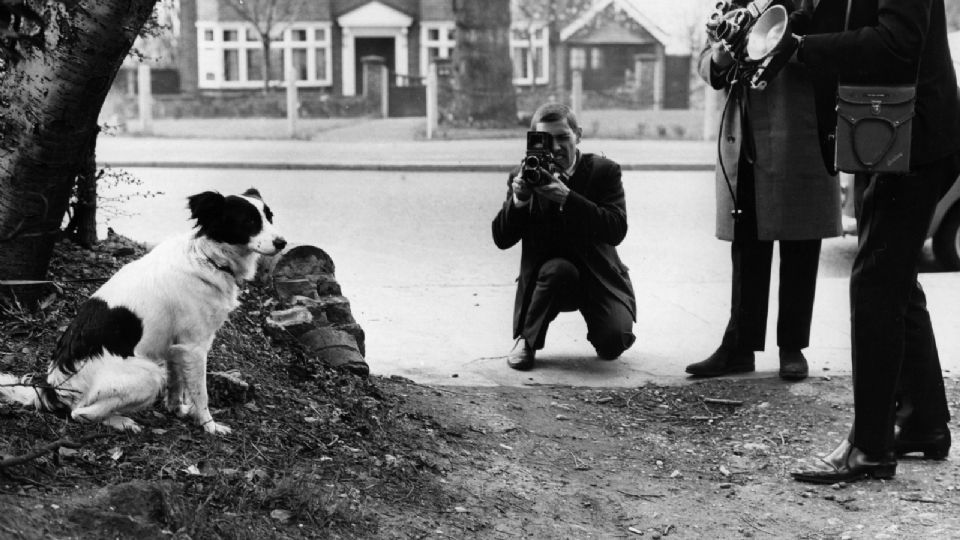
[65, 442]
[754, 525]
[922, 500]
[642, 495]
[718, 401]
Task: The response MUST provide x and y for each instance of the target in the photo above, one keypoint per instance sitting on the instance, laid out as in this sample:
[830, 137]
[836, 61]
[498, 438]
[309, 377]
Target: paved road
[414, 255]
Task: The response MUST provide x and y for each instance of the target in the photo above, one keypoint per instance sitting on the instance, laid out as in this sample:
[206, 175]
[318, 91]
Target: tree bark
[83, 224]
[483, 73]
[49, 103]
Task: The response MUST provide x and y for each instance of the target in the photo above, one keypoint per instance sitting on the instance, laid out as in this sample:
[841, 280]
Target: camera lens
[531, 162]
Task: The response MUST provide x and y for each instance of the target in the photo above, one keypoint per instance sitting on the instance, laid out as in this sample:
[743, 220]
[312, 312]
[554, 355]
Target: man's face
[565, 141]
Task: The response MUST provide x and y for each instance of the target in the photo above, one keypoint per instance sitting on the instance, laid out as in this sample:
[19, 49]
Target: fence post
[145, 99]
[292, 109]
[576, 92]
[432, 98]
[384, 91]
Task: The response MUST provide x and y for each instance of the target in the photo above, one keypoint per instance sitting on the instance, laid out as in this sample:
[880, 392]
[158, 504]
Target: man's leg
[799, 261]
[747, 328]
[893, 224]
[750, 295]
[554, 292]
[609, 325]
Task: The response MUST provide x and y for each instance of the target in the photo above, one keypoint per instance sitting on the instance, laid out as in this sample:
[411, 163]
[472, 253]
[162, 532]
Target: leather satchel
[873, 128]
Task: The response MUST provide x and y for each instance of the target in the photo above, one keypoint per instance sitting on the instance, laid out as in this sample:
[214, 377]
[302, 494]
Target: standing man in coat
[568, 227]
[899, 401]
[771, 185]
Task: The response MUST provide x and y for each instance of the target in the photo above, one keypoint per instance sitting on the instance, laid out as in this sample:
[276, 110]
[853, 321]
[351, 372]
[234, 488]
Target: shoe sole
[728, 371]
[928, 455]
[875, 474]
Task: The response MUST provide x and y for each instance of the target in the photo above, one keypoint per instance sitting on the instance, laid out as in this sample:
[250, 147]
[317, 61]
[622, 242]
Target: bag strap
[894, 124]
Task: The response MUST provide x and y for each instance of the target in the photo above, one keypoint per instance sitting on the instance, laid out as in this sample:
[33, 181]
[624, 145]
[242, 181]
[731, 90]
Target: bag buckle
[875, 106]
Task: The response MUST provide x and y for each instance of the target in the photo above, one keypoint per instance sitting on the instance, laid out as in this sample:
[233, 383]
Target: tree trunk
[484, 93]
[50, 102]
[265, 43]
[83, 224]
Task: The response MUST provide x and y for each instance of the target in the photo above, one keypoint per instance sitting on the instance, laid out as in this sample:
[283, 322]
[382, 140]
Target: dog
[146, 332]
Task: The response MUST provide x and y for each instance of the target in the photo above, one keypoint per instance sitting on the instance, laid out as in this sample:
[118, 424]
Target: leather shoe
[934, 443]
[848, 464]
[522, 359]
[722, 362]
[793, 365]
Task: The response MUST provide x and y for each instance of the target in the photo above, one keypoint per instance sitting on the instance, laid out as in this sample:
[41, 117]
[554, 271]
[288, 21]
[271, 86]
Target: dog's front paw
[122, 423]
[214, 428]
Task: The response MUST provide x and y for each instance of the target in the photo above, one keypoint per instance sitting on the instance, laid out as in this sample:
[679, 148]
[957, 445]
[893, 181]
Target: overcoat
[585, 231]
[796, 197]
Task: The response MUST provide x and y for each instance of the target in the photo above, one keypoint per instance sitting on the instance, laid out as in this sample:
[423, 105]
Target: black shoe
[934, 444]
[848, 464]
[522, 359]
[793, 365]
[722, 362]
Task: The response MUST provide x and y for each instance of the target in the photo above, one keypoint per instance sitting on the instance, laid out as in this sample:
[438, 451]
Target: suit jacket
[795, 196]
[592, 222]
[889, 42]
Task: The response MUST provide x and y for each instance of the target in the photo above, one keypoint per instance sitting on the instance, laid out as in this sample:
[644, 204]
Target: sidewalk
[484, 155]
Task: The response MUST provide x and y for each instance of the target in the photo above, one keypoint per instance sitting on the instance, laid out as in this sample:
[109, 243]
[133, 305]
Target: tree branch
[65, 442]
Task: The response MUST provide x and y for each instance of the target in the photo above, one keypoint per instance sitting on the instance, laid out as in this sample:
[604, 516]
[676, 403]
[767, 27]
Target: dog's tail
[25, 391]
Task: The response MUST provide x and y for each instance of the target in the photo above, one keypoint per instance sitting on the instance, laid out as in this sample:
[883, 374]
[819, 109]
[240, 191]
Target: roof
[677, 24]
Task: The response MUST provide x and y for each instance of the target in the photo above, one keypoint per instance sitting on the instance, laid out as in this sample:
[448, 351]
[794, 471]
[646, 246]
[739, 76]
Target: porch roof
[676, 24]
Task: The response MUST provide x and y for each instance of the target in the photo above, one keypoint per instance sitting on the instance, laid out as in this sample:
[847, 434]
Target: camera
[757, 35]
[539, 163]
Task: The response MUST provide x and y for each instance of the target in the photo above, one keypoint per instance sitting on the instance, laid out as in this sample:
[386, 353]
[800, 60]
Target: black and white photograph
[479, 269]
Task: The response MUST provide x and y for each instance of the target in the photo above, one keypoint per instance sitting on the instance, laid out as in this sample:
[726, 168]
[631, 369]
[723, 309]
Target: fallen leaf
[281, 515]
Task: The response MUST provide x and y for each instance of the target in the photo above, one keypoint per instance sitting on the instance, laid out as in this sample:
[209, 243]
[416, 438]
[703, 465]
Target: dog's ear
[204, 206]
[252, 192]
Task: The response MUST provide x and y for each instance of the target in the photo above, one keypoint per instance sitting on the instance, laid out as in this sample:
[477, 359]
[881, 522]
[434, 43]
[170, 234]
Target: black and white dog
[148, 329]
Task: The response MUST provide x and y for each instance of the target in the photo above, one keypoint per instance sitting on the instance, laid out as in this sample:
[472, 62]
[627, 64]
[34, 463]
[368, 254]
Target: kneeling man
[568, 222]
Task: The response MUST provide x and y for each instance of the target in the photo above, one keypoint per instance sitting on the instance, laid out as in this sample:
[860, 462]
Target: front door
[373, 46]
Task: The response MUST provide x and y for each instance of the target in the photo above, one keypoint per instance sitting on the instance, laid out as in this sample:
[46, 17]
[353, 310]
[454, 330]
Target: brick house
[619, 43]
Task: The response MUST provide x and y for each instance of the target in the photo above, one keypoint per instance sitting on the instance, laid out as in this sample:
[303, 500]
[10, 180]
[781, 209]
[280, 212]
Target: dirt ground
[321, 454]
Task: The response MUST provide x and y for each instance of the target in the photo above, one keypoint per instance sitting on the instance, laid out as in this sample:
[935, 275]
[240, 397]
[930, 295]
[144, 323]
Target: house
[621, 46]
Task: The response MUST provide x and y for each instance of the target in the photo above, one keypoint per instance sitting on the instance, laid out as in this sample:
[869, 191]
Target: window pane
[277, 71]
[230, 35]
[432, 53]
[538, 62]
[578, 58]
[520, 63]
[452, 34]
[320, 34]
[321, 61]
[299, 63]
[596, 58]
[252, 35]
[208, 35]
[539, 34]
[298, 35]
[433, 34]
[255, 64]
[231, 65]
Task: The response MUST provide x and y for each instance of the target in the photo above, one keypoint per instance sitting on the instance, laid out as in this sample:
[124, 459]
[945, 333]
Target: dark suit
[895, 360]
[568, 259]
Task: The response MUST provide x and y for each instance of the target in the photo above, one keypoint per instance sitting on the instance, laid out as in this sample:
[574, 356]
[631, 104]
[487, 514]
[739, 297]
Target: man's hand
[555, 191]
[520, 189]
